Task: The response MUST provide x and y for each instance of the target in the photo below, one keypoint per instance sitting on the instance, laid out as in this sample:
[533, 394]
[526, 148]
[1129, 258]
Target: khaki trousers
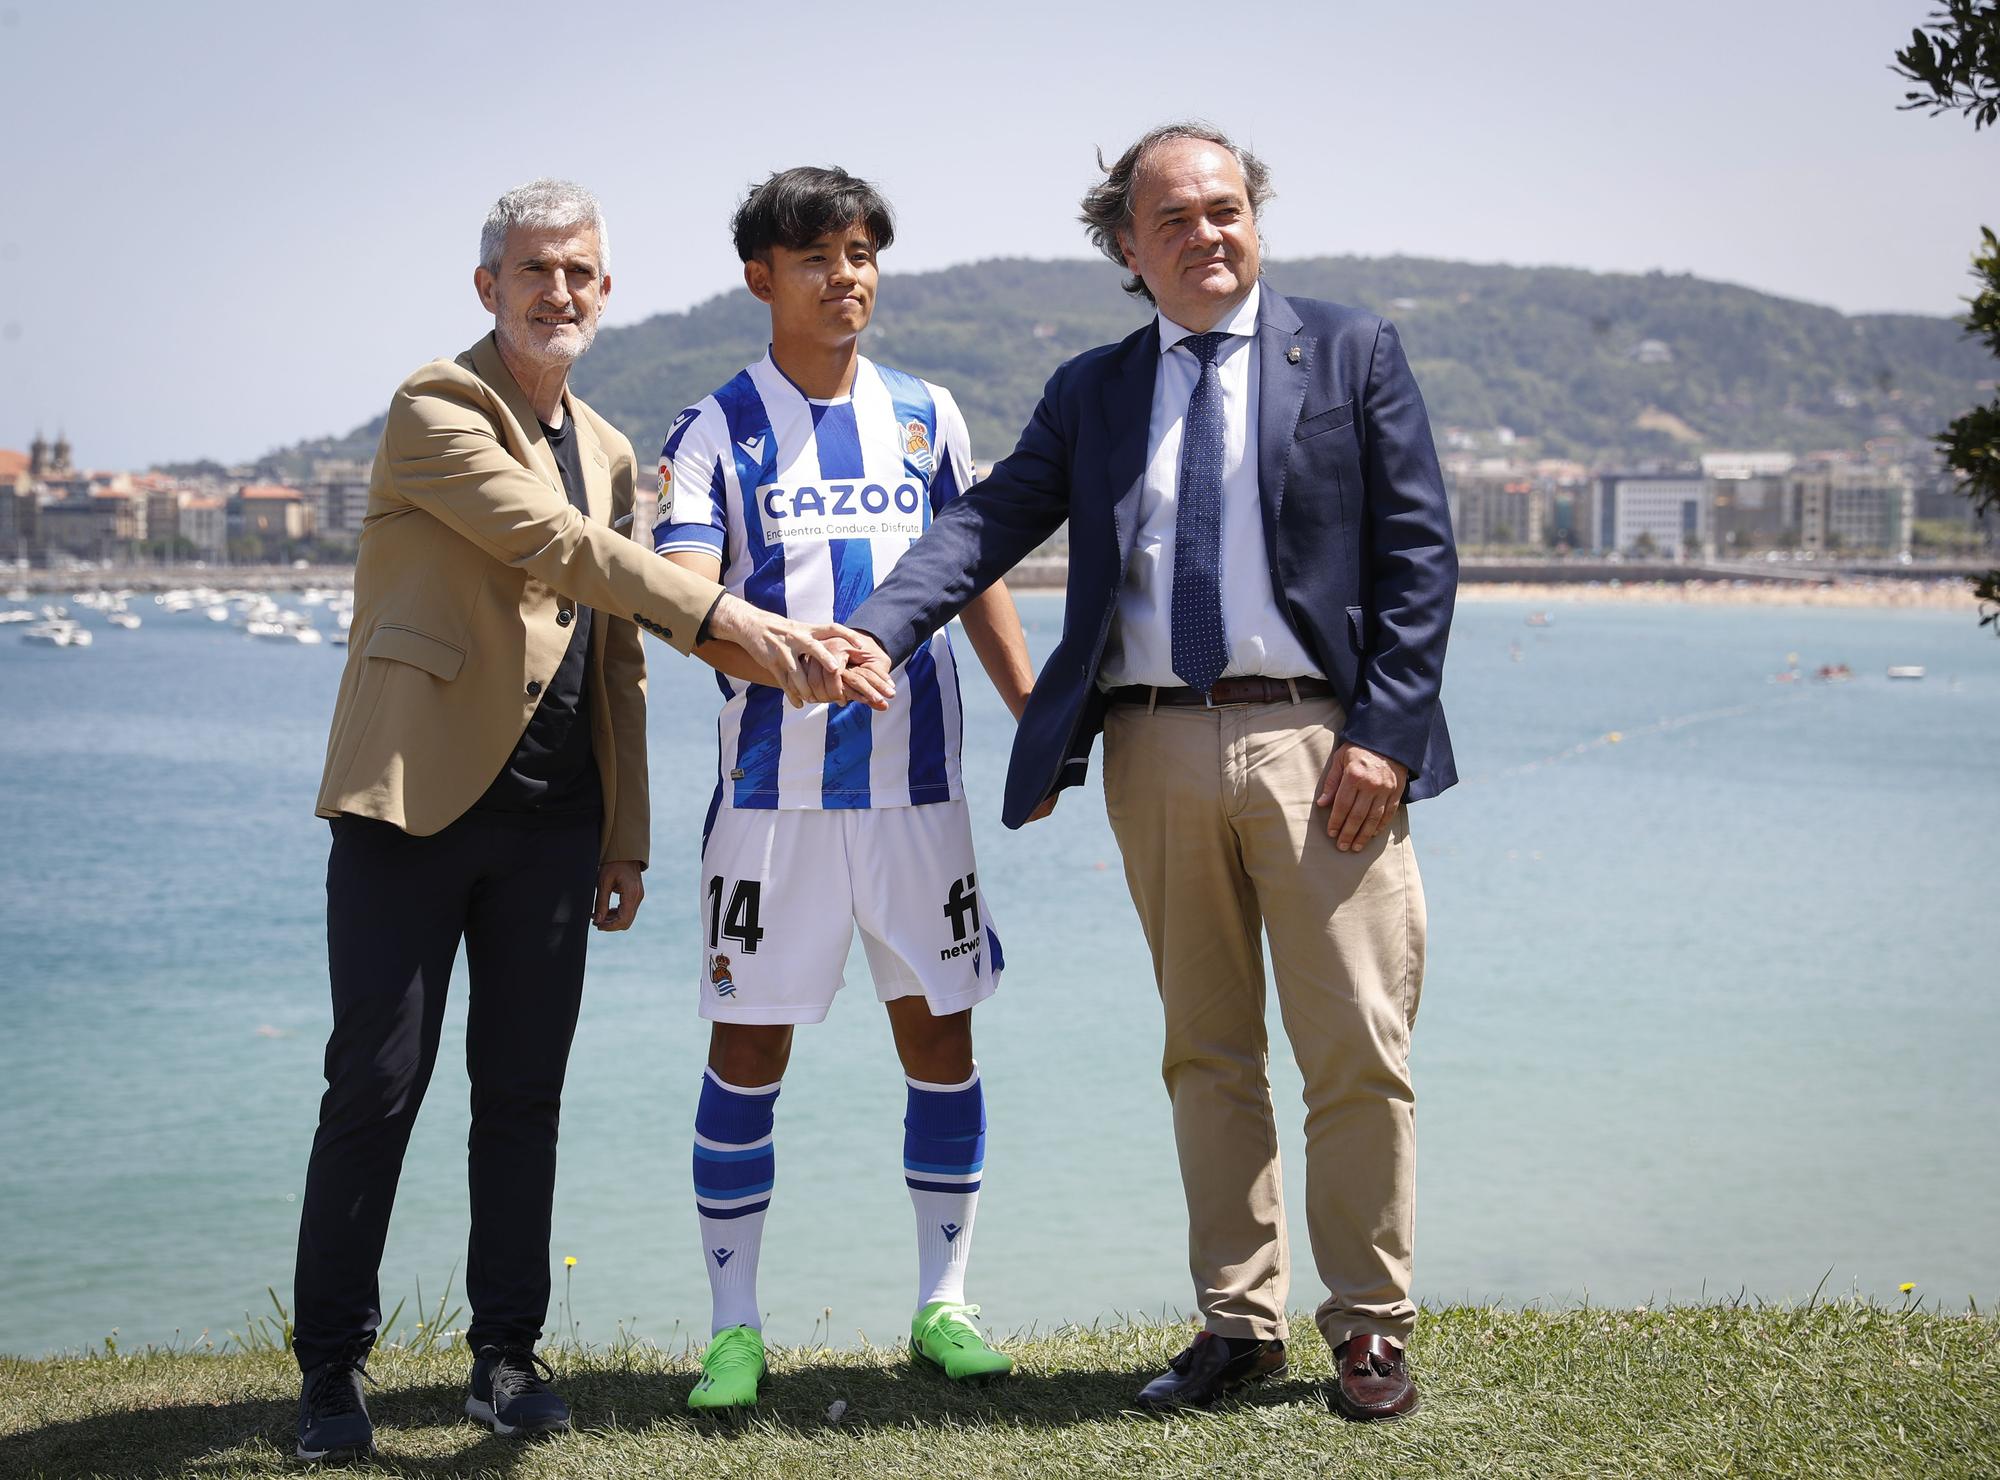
[1214, 812]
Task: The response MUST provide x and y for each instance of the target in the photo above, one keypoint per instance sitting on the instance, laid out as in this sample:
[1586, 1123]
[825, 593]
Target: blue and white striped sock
[944, 1151]
[733, 1174]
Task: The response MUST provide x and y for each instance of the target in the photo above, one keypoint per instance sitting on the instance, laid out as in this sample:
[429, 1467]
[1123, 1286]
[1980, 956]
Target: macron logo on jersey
[753, 447]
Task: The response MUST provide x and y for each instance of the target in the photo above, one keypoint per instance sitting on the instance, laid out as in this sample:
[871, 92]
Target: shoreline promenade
[1935, 585]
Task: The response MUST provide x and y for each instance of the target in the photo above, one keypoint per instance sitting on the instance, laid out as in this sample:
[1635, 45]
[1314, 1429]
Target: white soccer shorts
[781, 893]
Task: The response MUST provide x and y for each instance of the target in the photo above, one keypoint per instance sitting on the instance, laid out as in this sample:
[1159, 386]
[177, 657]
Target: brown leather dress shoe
[1371, 1379]
[1211, 1368]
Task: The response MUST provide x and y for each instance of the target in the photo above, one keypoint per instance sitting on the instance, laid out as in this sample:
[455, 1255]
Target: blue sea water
[1710, 1008]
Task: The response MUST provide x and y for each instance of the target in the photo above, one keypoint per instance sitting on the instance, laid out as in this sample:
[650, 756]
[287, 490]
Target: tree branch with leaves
[1955, 62]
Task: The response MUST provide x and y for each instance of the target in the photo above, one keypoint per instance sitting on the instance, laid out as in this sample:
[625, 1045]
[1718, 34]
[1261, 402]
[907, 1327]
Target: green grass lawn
[1831, 1389]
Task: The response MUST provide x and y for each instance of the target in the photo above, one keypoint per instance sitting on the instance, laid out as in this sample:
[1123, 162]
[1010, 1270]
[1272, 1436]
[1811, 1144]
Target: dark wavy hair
[1107, 205]
[796, 207]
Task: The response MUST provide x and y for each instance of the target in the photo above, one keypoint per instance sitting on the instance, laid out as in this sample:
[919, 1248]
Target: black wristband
[702, 634]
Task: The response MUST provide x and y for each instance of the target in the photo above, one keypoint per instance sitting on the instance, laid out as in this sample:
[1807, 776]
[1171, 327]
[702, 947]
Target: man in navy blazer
[1261, 581]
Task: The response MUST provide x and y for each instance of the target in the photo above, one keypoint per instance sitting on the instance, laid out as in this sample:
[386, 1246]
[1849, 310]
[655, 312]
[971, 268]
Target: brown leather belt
[1254, 690]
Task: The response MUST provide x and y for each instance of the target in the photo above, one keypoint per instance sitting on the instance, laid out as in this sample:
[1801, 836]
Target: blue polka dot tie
[1200, 650]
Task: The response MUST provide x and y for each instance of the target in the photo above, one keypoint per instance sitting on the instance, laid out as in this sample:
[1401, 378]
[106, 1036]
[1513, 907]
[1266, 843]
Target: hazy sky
[228, 226]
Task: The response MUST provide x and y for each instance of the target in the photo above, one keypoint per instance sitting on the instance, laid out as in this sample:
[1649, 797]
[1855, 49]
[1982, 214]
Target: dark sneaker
[333, 1418]
[509, 1391]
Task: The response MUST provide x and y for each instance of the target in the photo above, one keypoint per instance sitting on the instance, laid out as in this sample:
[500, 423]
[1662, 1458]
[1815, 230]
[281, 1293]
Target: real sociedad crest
[917, 446]
[719, 977]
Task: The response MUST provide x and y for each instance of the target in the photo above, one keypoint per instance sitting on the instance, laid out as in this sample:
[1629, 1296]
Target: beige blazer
[471, 563]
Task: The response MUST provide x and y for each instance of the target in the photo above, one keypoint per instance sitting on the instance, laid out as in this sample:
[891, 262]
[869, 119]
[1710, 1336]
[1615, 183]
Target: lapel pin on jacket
[1292, 355]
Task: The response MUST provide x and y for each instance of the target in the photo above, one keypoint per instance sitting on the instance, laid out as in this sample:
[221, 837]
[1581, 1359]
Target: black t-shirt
[552, 772]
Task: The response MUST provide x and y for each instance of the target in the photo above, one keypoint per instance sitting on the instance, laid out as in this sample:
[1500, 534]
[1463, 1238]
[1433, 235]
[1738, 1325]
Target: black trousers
[519, 893]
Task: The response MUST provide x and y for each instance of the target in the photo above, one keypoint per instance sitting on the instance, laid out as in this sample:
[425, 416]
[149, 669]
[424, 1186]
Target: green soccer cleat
[731, 1368]
[943, 1335]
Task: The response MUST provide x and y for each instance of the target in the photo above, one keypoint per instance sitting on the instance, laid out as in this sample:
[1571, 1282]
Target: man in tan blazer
[486, 781]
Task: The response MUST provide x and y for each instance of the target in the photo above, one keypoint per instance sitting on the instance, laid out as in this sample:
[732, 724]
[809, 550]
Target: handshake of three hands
[814, 663]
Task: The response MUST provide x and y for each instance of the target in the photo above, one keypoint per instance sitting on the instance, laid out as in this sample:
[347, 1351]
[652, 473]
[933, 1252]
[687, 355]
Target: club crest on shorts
[719, 978]
[917, 445]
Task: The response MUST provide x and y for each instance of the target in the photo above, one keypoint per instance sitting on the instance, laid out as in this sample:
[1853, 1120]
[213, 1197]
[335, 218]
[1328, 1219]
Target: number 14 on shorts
[739, 923]
[781, 893]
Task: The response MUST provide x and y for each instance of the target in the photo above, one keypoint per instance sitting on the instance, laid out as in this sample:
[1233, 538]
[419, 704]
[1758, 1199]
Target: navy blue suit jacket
[1355, 526]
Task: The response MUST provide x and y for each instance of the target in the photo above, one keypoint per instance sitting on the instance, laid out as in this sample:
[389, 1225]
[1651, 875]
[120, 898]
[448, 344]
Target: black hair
[796, 207]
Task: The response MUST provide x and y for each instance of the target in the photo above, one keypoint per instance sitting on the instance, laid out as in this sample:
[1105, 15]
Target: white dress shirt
[1260, 640]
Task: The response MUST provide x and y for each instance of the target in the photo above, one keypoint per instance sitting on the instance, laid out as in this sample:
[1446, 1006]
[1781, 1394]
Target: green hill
[1588, 365]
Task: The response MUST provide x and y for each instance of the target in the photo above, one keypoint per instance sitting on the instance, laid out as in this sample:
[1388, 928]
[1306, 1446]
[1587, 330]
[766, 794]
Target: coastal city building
[270, 513]
[48, 460]
[18, 507]
[1849, 508]
[1888, 500]
[100, 518]
[1754, 514]
[337, 492]
[1753, 503]
[204, 526]
[1652, 514]
[1500, 507]
[1730, 466]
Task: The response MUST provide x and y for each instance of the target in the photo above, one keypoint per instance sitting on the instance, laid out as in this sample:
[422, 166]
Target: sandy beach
[1954, 593]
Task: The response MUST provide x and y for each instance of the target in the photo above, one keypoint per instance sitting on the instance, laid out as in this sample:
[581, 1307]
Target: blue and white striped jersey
[807, 504]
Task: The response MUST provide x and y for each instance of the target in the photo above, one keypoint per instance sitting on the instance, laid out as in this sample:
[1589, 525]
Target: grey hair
[542, 205]
[1107, 205]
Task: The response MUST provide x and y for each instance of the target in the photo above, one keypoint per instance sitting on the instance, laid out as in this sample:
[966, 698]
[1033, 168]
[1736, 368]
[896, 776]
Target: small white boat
[285, 627]
[1907, 670]
[17, 616]
[57, 633]
[218, 613]
[128, 620]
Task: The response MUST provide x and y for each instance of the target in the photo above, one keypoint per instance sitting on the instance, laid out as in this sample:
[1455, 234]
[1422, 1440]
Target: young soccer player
[797, 485]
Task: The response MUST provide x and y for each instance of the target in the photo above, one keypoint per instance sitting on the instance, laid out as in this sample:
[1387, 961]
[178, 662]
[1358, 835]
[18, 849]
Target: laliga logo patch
[666, 480]
[917, 446]
[718, 976]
